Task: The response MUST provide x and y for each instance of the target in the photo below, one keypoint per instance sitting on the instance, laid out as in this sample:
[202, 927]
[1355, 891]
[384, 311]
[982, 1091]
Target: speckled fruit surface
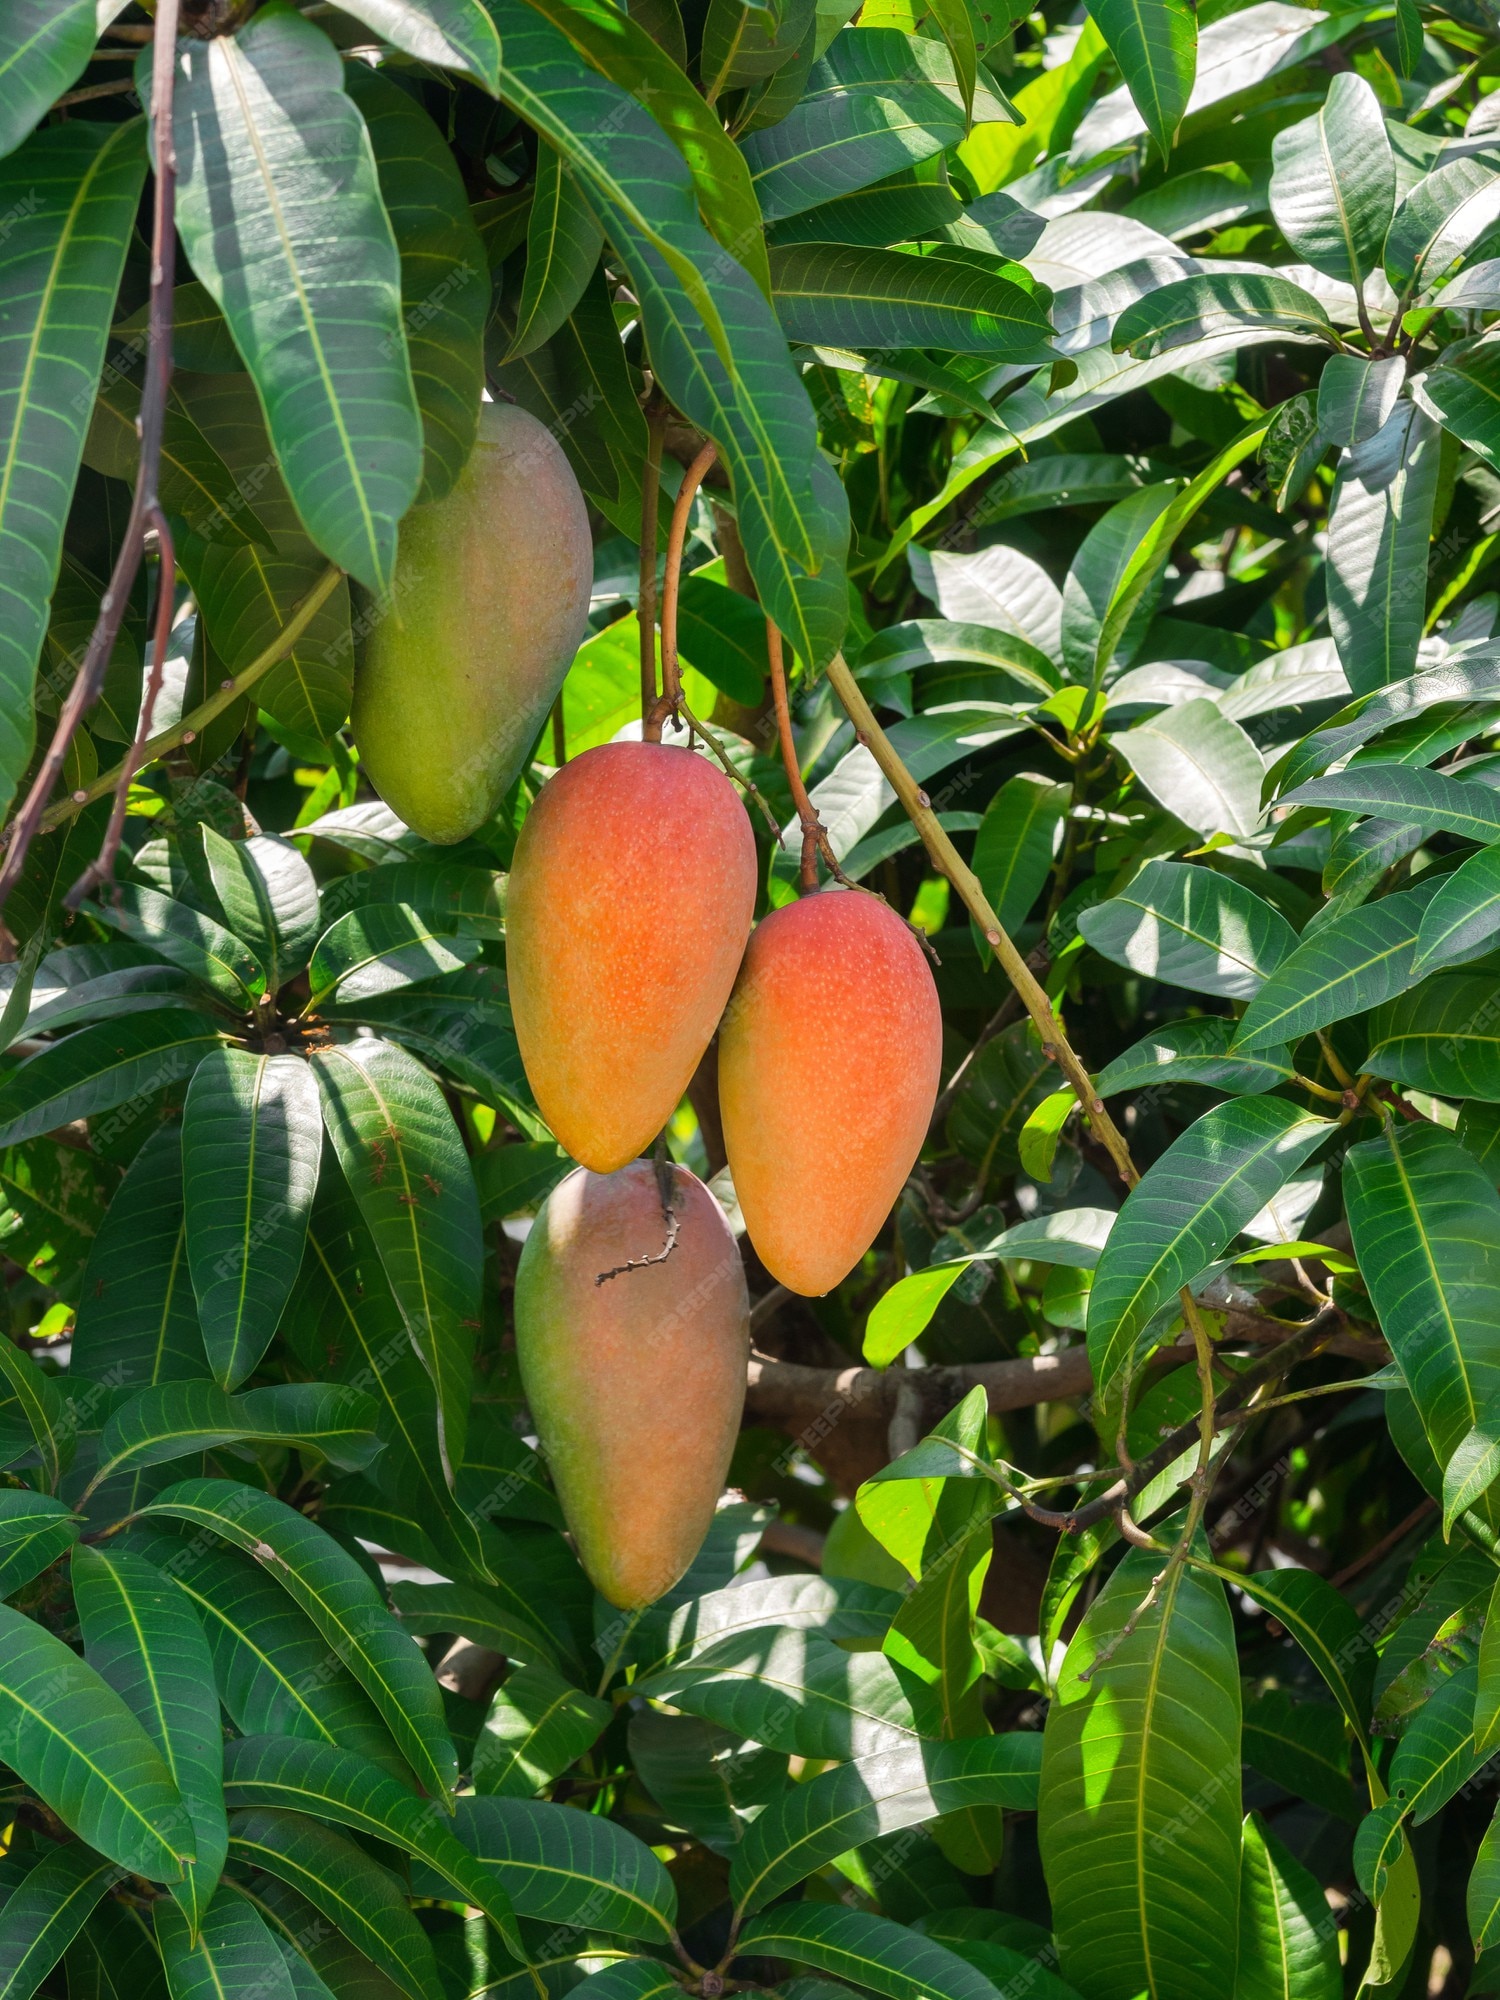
[627, 911]
[635, 1383]
[830, 1055]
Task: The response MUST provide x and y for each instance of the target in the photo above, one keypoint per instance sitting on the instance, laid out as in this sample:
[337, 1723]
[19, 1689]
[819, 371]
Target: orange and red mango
[830, 1055]
[488, 604]
[635, 1377]
[626, 917]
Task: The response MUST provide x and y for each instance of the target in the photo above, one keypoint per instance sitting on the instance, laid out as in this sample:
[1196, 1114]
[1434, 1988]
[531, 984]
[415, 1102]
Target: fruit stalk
[669, 702]
[950, 862]
[813, 836]
[656, 423]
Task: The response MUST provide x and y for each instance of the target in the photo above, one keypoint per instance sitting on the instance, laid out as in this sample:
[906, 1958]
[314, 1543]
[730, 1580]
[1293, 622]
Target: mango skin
[489, 603]
[830, 1056]
[636, 1385]
[626, 915]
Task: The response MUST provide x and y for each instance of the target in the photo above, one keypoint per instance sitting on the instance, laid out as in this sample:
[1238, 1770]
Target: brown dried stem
[145, 509]
[669, 701]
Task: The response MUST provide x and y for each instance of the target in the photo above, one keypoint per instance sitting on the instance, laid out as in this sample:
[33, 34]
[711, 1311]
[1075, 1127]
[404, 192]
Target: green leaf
[142, 1636]
[449, 34]
[864, 1950]
[252, 1140]
[538, 1725]
[814, 1822]
[338, 1785]
[566, 1867]
[835, 295]
[746, 41]
[405, 1163]
[1469, 1474]
[270, 899]
[41, 1408]
[1187, 1209]
[620, 48]
[1287, 1943]
[245, 597]
[339, 1598]
[1014, 846]
[45, 46]
[1199, 765]
[456, 898]
[378, 948]
[1440, 220]
[1455, 680]
[350, 1889]
[137, 1321]
[1443, 1037]
[445, 295]
[1484, 1888]
[35, 1530]
[316, 313]
[1460, 393]
[186, 938]
[233, 1957]
[1038, 1138]
[1155, 43]
[1333, 183]
[1436, 1756]
[1379, 525]
[273, 1669]
[1216, 303]
[114, 1067]
[1426, 1226]
[875, 102]
[1429, 799]
[795, 1689]
[902, 1314]
[1302, 1746]
[356, 1330]
[1018, 668]
[1348, 966]
[47, 1910]
[1194, 1051]
[1463, 917]
[1327, 1628]
[69, 1736]
[1356, 397]
[114, 1957]
[195, 482]
[175, 1418]
[1094, 575]
[70, 198]
[426, 1608]
[715, 346]
[1191, 927]
[1139, 1822]
[563, 241]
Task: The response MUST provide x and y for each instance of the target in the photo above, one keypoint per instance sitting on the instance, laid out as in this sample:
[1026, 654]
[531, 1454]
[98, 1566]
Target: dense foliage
[1105, 412]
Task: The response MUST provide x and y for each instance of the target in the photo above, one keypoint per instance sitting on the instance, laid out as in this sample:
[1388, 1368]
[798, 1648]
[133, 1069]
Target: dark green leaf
[864, 1950]
[1201, 308]
[67, 1734]
[1139, 1823]
[1287, 1943]
[1444, 1036]
[43, 1916]
[1155, 43]
[1348, 966]
[563, 241]
[233, 1957]
[1191, 927]
[406, 1165]
[252, 1140]
[45, 46]
[316, 313]
[1194, 1051]
[339, 1598]
[1415, 797]
[114, 1067]
[143, 1637]
[1333, 187]
[1379, 525]
[378, 948]
[1186, 1211]
[69, 196]
[167, 1422]
[834, 295]
[449, 34]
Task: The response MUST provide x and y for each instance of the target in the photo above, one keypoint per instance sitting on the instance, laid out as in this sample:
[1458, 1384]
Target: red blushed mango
[830, 1055]
[626, 917]
[635, 1376]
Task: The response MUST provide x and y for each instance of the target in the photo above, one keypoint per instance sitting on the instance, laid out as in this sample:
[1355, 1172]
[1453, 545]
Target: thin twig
[192, 725]
[656, 424]
[669, 701]
[145, 512]
[807, 813]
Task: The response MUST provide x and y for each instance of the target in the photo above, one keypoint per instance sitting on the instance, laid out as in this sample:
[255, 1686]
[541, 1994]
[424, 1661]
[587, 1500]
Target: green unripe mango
[487, 607]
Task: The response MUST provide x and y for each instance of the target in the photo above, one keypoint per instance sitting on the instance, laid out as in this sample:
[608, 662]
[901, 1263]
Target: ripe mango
[635, 1377]
[830, 1055]
[629, 904]
[488, 605]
